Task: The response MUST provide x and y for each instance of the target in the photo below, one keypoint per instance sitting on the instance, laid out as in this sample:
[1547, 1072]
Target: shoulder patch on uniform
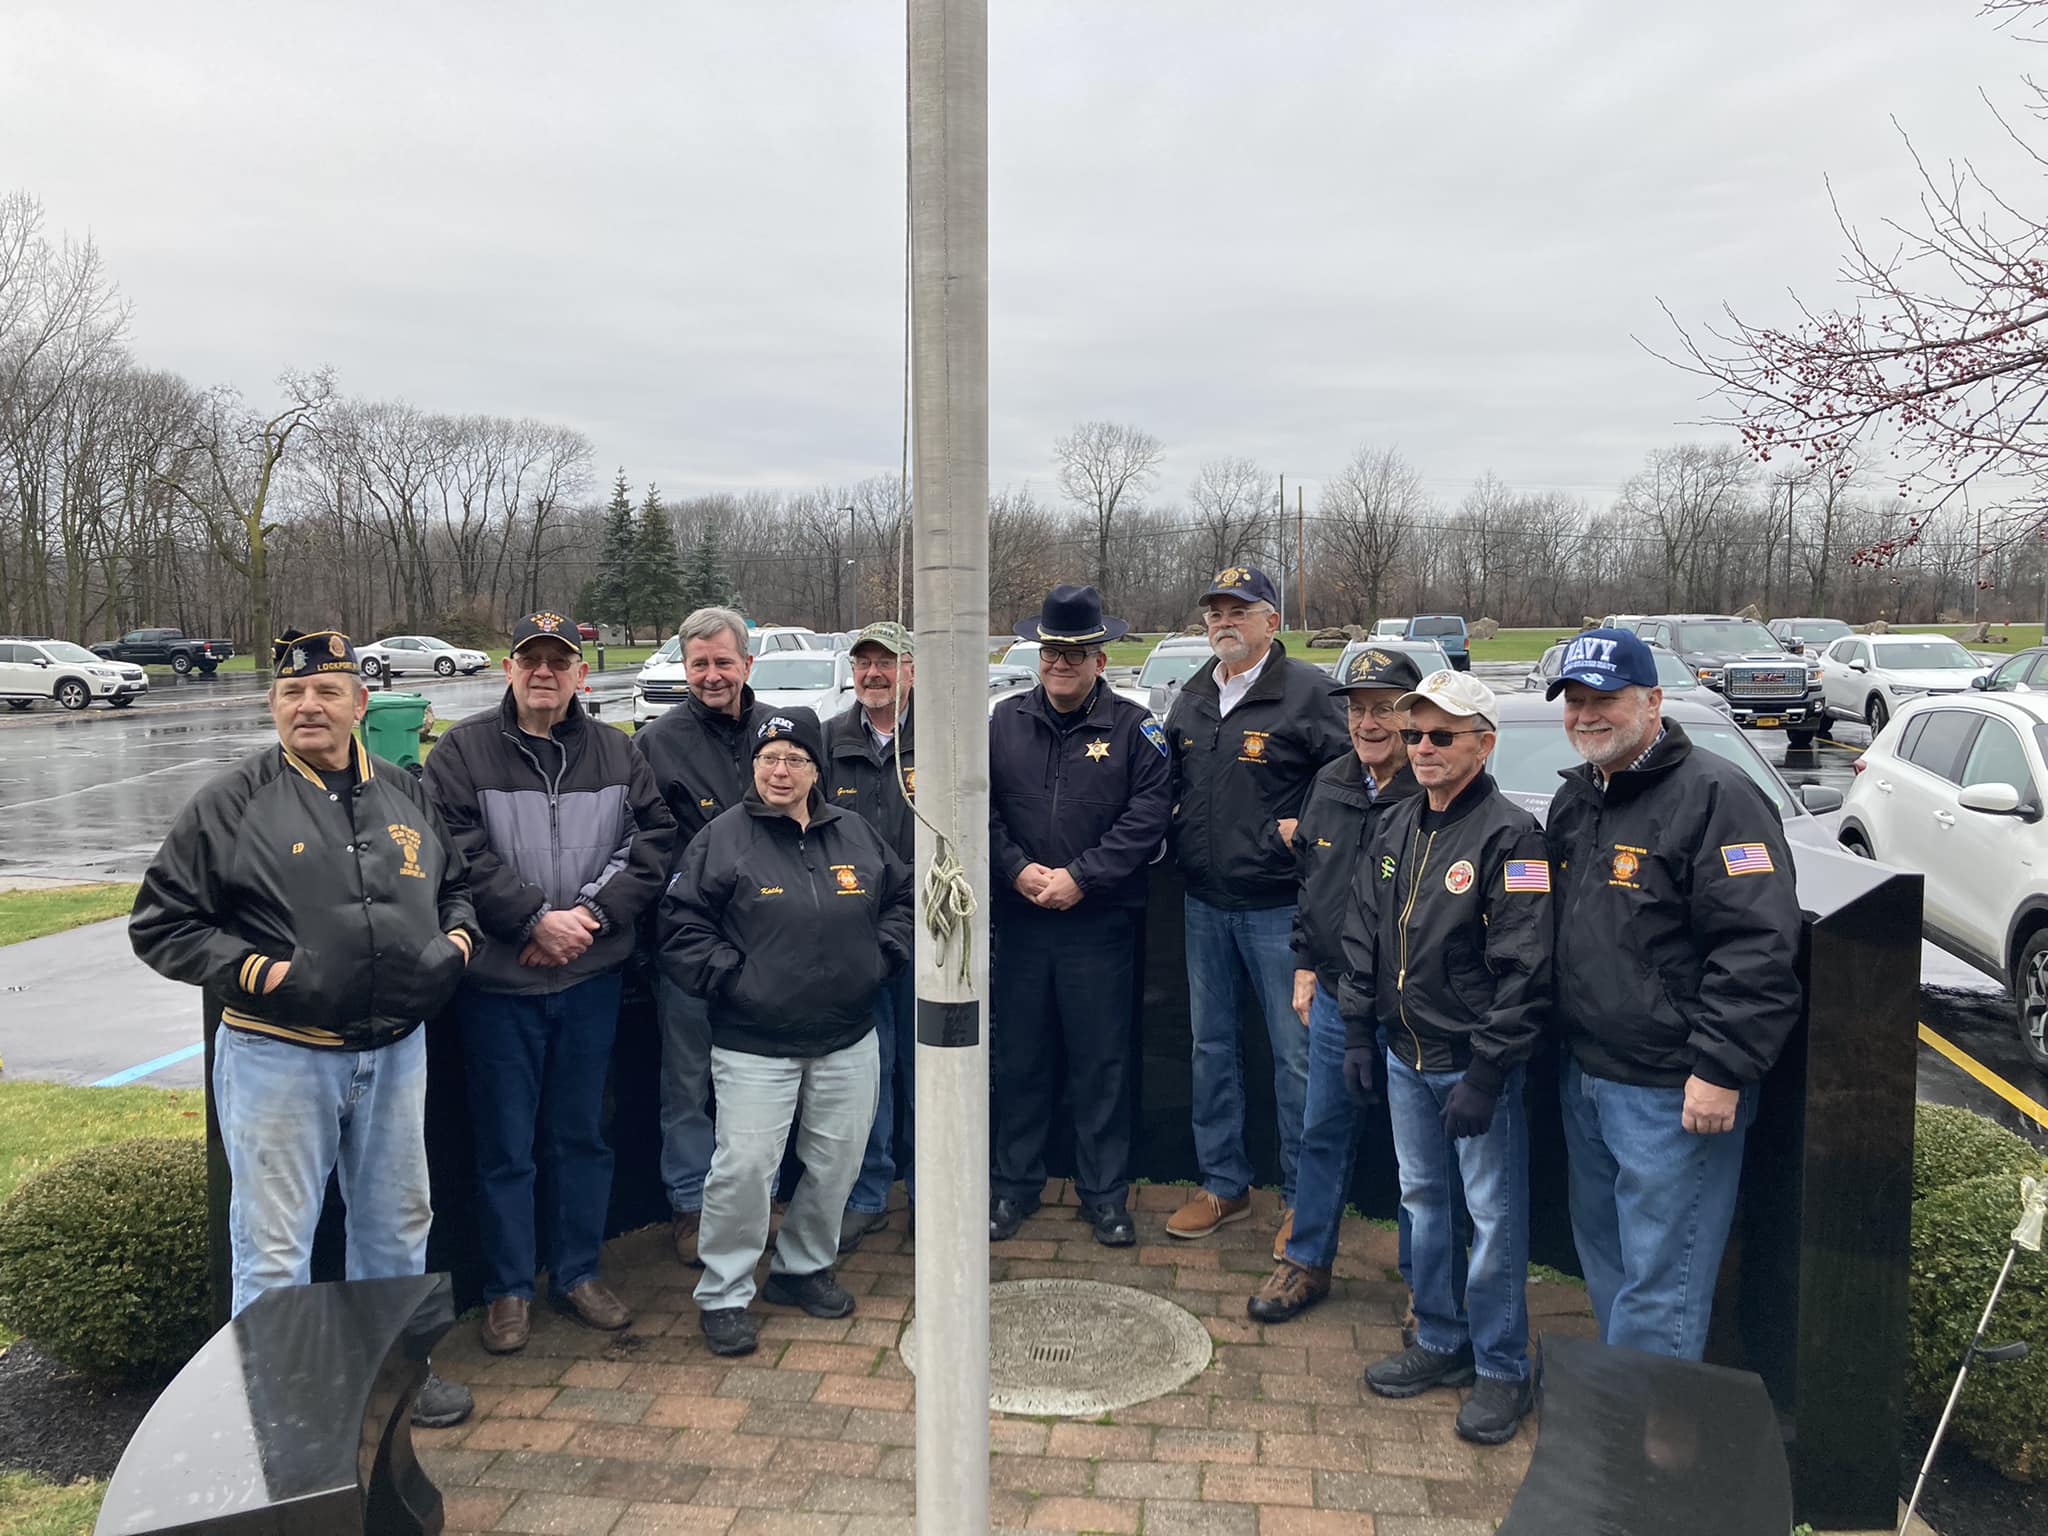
[1747, 859]
[1527, 875]
[1151, 731]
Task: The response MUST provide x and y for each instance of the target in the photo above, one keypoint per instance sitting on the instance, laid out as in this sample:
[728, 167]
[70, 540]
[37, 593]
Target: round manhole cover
[1075, 1347]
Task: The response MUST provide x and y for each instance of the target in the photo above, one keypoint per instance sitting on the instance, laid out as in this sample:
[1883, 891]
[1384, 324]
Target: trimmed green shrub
[1960, 1237]
[1952, 1146]
[103, 1258]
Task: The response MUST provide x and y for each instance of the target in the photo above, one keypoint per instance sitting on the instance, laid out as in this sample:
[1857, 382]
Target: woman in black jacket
[787, 916]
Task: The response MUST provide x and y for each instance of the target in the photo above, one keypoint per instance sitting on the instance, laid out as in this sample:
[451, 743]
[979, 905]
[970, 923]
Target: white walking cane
[2027, 1235]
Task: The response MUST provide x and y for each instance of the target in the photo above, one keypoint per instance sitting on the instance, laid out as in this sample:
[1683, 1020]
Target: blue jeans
[536, 1068]
[1226, 951]
[1493, 1170]
[884, 1162]
[289, 1117]
[1651, 1205]
[686, 1138]
[1329, 1140]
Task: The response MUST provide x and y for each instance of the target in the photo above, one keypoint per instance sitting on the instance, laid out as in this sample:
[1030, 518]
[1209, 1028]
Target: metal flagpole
[949, 388]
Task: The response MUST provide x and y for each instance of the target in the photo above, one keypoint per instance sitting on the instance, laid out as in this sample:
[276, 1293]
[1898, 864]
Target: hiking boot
[441, 1403]
[1494, 1411]
[728, 1331]
[592, 1305]
[1005, 1216]
[817, 1293]
[1281, 1237]
[1416, 1369]
[855, 1225]
[505, 1326]
[1205, 1212]
[1112, 1223]
[1288, 1292]
[682, 1232]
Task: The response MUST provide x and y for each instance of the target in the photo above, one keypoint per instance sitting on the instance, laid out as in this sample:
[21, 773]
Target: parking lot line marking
[121, 1079]
[2036, 1112]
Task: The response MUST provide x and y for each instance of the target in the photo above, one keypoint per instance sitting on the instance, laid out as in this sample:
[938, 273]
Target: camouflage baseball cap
[889, 635]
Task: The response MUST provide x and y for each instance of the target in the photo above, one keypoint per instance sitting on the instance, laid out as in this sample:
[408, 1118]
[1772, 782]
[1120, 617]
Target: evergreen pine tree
[706, 583]
[615, 560]
[657, 565]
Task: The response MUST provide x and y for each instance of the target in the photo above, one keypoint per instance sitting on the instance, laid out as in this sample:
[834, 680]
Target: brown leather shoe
[1286, 1231]
[592, 1305]
[1288, 1292]
[1205, 1212]
[505, 1325]
[682, 1231]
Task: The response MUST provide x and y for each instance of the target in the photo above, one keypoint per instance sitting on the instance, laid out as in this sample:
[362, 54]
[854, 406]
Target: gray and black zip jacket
[546, 828]
[860, 775]
[787, 930]
[264, 865]
[1447, 945]
[1329, 841]
[703, 763]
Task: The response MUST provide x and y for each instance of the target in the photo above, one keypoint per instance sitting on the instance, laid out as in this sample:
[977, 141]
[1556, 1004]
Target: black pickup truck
[166, 648]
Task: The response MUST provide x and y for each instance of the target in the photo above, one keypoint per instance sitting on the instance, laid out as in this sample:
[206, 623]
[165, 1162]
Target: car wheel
[1852, 842]
[1802, 741]
[1875, 714]
[181, 664]
[371, 666]
[73, 694]
[208, 668]
[20, 703]
[2031, 995]
[123, 701]
[445, 665]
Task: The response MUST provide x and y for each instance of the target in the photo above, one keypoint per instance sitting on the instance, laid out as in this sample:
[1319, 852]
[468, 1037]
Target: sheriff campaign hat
[1072, 615]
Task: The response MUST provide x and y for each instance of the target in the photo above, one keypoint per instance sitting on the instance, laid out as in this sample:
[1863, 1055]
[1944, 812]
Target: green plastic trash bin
[391, 727]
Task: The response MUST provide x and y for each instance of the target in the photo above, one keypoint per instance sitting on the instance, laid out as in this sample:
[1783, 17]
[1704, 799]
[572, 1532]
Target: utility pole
[1300, 555]
[851, 572]
[1280, 546]
[949, 389]
[1790, 601]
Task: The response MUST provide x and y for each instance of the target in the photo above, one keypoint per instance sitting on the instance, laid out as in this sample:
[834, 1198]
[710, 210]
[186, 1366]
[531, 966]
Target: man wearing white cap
[1448, 948]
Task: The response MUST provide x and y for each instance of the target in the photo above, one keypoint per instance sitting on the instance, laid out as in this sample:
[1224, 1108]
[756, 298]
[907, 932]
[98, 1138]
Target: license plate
[1768, 722]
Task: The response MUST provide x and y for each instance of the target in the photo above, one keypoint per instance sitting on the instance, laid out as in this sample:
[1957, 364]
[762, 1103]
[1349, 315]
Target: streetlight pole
[851, 570]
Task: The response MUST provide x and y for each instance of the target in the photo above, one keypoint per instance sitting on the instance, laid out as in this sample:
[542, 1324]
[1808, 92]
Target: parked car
[32, 669]
[1809, 636]
[1673, 676]
[770, 638]
[1865, 678]
[1428, 655]
[2026, 672]
[1954, 787]
[399, 654]
[171, 648]
[668, 651]
[1173, 661]
[586, 631]
[1627, 621]
[1389, 629]
[1766, 686]
[818, 680]
[1448, 631]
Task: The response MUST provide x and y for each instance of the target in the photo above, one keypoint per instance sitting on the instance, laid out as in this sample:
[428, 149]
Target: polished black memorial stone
[292, 1420]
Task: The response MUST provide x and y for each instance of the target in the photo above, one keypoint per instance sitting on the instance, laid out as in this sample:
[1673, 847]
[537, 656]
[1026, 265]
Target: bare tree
[1228, 507]
[1365, 517]
[1685, 494]
[1104, 467]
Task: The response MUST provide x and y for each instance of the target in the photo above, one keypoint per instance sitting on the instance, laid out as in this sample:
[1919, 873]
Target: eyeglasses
[1383, 711]
[790, 760]
[529, 661]
[1064, 655]
[1439, 738]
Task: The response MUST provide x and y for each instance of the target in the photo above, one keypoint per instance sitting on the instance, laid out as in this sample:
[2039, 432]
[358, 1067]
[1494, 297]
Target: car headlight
[1904, 692]
[1710, 674]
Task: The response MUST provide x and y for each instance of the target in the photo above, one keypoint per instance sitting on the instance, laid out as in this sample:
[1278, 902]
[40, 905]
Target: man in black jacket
[1246, 736]
[1678, 938]
[1448, 949]
[1078, 786]
[698, 751]
[312, 889]
[1347, 799]
[567, 844]
[864, 746]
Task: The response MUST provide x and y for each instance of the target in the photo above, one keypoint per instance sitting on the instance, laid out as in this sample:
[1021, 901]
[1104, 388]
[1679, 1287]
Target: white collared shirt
[1230, 691]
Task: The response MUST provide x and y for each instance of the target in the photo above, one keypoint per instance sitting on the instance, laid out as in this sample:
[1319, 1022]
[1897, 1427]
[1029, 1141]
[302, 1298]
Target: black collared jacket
[1330, 842]
[1678, 920]
[263, 865]
[1236, 778]
[703, 763]
[1447, 945]
[788, 930]
[1089, 797]
[860, 775]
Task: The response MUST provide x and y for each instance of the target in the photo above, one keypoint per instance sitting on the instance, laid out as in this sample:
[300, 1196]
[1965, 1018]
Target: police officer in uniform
[1078, 803]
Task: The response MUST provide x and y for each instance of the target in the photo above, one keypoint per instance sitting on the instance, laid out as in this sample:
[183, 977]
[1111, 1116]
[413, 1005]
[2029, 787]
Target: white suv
[70, 674]
[1955, 788]
[1865, 678]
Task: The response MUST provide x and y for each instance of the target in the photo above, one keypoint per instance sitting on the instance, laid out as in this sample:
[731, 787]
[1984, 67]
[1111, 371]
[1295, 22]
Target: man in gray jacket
[567, 840]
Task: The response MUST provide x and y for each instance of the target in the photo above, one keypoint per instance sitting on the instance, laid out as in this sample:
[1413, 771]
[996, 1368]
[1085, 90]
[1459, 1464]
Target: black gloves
[1358, 1068]
[1467, 1112]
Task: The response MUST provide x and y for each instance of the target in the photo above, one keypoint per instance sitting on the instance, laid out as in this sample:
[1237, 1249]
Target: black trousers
[1064, 987]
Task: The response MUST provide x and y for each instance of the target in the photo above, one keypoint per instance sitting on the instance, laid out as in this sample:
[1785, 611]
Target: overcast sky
[678, 227]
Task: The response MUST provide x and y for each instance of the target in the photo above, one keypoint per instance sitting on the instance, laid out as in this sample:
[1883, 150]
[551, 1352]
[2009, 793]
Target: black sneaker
[1494, 1411]
[1416, 1369]
[441, 1403]
[816, 1293]
[729, 1331]
[1112, 1224]
[1005, 1216]
[855, 1225]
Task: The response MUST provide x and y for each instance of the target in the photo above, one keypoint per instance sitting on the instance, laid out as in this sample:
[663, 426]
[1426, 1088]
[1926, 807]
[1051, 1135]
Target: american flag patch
[1528, 875]
[1747, 859]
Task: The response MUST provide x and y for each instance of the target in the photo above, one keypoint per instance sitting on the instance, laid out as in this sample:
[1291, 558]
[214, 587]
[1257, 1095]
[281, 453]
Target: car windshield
[1734, 635]
[1926, 656]
[671, 648]
[64, 650]
[1163, 667]
[1673, 673]
[772, 672]
[1427, 627]
[1821, 631]
[1532, 753]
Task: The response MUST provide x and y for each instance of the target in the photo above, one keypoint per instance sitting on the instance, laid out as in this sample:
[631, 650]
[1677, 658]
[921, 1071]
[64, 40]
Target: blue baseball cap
[1247, 582]
[1606, 659]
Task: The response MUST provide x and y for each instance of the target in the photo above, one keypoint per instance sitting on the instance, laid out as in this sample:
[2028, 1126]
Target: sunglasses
[1437, 738]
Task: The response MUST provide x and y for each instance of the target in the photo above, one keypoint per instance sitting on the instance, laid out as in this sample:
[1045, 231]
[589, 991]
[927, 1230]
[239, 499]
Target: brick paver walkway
[588, 1434]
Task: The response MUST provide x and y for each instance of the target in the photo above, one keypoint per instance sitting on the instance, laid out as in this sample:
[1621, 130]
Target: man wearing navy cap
[1247, 736]
[1677, 936]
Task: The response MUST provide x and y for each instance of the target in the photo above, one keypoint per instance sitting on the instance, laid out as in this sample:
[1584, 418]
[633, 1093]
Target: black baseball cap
[1377, 668]
[546, 626]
